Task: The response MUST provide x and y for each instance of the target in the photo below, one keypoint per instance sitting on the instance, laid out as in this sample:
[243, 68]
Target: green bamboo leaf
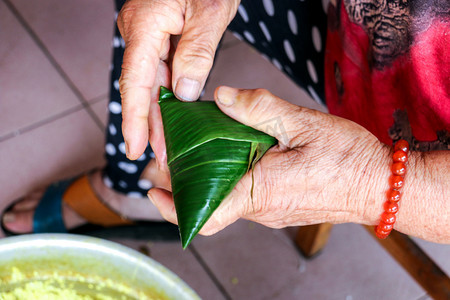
[207, 153]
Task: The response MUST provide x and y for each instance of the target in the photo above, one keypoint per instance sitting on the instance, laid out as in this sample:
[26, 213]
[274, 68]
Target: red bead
[385, 227]
[396, 181]
[388, 218]
[400, 156]
[393, 195]
[391, 207]
[401, 145]
[398, 168]
[381, 234]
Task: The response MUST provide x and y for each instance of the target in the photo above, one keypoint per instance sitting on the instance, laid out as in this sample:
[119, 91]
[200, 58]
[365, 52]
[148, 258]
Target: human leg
[122, 184]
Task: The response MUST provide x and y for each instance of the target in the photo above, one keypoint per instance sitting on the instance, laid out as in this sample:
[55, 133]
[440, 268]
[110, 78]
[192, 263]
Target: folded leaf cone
[207, 154]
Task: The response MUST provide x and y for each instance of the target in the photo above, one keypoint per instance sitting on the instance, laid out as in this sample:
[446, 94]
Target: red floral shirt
[387, 67]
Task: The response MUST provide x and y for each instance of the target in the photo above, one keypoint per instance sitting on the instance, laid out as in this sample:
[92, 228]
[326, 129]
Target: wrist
[374, 184]
[422, 206]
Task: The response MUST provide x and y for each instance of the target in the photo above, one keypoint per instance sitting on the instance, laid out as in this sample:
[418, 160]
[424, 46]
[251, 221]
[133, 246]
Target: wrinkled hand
[147, 26]
[324, 168]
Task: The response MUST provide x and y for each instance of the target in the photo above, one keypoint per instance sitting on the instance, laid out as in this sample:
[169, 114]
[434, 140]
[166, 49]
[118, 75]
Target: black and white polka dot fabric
[289, 33]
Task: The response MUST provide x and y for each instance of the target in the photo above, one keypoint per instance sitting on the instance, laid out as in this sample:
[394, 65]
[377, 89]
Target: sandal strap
[48, 214]
[82, 199]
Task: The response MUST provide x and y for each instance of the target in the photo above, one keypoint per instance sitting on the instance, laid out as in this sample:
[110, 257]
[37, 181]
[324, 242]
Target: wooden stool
[311, 239]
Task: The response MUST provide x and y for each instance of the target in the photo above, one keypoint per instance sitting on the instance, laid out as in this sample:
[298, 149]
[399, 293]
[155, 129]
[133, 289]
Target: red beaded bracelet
[396, 181]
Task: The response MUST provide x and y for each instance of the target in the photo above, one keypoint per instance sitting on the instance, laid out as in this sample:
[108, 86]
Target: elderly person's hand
[324, 169]
[147, 26]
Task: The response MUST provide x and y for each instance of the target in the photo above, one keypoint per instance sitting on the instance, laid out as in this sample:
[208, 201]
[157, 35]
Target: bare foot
[20, 218]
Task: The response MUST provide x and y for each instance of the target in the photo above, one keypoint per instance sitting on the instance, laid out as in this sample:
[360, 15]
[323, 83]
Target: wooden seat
[311, 239]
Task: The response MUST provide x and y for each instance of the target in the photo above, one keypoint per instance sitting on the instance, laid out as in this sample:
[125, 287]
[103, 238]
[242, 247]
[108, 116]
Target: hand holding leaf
[207, 154]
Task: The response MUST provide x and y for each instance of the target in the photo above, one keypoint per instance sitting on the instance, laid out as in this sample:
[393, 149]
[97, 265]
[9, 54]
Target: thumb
[205, 23]
[263, 111]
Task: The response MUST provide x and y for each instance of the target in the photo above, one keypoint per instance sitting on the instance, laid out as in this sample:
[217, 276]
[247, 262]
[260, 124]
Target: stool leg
[312, 238]
[417, 263]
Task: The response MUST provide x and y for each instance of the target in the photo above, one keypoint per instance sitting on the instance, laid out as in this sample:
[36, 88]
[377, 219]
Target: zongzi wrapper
[207, 154]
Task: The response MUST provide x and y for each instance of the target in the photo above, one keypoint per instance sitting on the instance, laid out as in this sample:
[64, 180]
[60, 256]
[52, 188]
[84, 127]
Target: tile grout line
[51, 118]
[94, 101]
[209, 272]
[53, 62]
[97, 99]
[40, 123]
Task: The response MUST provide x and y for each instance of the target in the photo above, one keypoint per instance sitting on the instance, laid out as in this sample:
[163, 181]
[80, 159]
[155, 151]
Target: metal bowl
[87, 265]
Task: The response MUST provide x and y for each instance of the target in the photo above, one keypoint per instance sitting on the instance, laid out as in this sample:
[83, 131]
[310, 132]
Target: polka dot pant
[289, 33]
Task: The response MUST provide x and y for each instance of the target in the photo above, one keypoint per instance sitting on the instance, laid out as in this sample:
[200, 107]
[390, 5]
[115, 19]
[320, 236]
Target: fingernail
[151, 198]
[128, 154]
[187, 89]
[8, 218]
[226, 95]
[127, 149]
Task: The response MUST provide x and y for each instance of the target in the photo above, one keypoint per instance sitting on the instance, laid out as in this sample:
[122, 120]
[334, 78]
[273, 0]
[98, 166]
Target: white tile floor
[54, 58]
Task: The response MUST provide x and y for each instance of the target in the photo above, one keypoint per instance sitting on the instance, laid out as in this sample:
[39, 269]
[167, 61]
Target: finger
[156, 176]
[230, 210]
[136, 93]
[163, 201]
[205, 23]
[263, 111]
[156, 131]
[145, 27]
[236, 205]
[226, 214]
